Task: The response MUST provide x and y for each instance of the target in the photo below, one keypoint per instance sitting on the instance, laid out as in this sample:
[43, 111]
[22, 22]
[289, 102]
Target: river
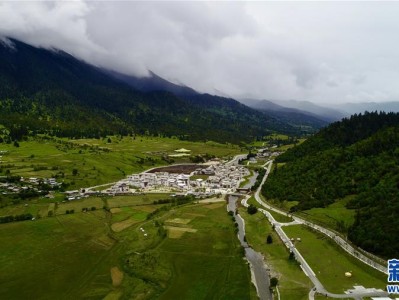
[258, 268]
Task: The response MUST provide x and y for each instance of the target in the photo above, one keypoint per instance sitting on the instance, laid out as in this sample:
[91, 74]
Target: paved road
[338, 239]
[356, 294]
[234, 161]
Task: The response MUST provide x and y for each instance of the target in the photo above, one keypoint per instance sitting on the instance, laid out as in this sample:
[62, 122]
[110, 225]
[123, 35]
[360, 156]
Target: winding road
[318, 287]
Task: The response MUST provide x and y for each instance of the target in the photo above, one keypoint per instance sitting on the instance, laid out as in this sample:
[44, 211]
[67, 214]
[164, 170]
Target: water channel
[258, 268]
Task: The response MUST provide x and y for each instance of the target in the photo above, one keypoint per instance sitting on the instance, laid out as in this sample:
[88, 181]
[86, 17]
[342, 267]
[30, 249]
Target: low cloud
[315, 51]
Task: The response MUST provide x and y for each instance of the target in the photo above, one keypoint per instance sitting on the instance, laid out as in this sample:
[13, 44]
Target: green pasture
[131, 200]
[137, 213]
[293, 283]
[97, 161]
[329, 262]
[332, 215]
[208, 263]
[55, 258]
[69, 256]
[79, 205]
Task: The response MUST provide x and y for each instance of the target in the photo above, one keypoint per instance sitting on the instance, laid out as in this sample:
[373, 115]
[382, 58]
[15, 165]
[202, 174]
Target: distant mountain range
[356, 108]
[53, 92]
[328, 112]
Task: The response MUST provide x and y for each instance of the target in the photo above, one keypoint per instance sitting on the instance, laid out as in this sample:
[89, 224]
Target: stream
[258, 268]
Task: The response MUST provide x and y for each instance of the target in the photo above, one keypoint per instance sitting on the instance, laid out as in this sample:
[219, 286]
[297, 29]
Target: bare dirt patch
[119, 226]
[177, 232]
[117, 276]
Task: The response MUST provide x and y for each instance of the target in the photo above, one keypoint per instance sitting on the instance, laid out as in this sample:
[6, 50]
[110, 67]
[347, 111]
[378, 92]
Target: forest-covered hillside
[358, 156]
[53, 92]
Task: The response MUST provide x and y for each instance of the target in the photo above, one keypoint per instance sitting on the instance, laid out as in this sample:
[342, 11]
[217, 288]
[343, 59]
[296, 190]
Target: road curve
[304, 265]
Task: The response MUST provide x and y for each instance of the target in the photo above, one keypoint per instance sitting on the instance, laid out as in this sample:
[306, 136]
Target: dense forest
[358, 156]
[53, 92]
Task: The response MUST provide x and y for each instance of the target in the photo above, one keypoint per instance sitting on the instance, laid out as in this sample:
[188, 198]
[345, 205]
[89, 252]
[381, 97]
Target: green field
[293, 283]
[219, 272]
[329, 262]
[55, 258]
[97, 161]
[71, 256]
[335, 216]
[130, 200]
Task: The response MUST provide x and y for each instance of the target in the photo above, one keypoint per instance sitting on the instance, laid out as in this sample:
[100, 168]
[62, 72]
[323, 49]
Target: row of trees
[16, 218]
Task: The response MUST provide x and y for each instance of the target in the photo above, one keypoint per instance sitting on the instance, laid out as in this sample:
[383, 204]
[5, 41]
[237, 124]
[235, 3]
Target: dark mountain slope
[51, 91]
[291, 120]
[358, 157]
[152, 83]
[291, 116]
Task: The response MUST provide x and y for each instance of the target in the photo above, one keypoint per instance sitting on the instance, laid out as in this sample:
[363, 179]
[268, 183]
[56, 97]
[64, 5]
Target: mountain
[356, 108]
[43, 91]
[357, 159]
[153, 83]
[292, 116]
[303, 122]
[326, 113]
[301, 107]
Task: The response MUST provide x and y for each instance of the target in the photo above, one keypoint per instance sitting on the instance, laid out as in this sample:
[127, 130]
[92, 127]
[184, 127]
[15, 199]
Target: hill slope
[358, 156]
[53, 92]
[289, 120]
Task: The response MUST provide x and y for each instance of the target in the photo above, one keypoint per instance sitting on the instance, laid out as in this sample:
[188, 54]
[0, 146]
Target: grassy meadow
[332, 215]
[98, 161]
[329, 262]
[185, 252]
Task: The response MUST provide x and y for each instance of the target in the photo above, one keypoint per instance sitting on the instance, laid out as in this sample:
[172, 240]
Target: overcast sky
[319, 51]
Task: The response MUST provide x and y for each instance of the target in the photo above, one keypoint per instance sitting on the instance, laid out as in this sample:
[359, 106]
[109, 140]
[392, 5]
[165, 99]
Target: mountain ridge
[53, 92]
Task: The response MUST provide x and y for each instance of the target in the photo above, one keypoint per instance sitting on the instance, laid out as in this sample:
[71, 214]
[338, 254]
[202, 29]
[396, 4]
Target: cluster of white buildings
[27, 184]
[219, 178]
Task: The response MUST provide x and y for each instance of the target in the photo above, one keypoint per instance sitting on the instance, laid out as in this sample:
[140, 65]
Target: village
[218, 178]
[26, 184]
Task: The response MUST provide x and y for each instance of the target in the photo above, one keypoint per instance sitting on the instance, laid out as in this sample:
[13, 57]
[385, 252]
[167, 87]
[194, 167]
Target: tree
[16, 144]
[109, 141]
[273, 282]
[252, 209]
[75, 172]
[269, 239]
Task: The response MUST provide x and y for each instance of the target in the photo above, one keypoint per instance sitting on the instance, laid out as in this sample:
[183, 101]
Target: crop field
[329, 262]
[97, 161]
[131, 200]
[95, 255]
[293, 283]
[79, 205]
[207, 259]
[53, 258]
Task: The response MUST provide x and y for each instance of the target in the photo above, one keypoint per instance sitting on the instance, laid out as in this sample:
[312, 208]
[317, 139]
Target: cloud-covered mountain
[53, 92]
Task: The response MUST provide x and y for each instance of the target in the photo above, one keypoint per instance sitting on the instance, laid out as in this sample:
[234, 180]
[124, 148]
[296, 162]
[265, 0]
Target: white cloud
[318, 51]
